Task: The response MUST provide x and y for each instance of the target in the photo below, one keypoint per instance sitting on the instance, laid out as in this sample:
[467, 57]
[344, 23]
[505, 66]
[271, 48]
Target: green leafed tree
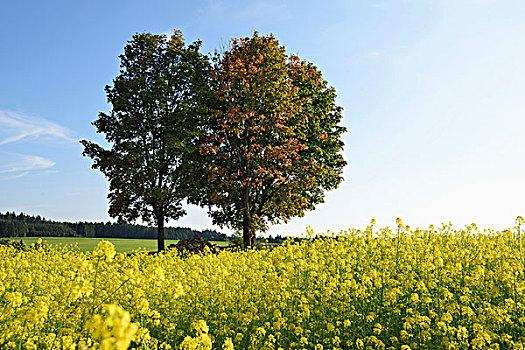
[151, 128]
[273, 140]
[7, 228]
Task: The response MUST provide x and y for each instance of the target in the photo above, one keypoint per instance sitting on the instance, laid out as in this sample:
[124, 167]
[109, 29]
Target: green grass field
[122, 245]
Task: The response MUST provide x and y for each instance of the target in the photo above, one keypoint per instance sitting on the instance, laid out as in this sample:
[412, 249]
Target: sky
[432, 94]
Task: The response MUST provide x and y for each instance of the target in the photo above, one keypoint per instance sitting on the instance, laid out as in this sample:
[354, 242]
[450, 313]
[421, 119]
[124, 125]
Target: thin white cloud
[26, 165]
[19, 127]
[17, 176]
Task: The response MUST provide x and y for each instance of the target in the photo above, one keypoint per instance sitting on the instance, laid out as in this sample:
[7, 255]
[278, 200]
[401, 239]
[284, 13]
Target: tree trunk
[246, 222]
[160, 233]
[252, 237]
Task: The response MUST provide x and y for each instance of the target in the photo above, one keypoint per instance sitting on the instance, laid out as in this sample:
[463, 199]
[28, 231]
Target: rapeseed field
[438, 288]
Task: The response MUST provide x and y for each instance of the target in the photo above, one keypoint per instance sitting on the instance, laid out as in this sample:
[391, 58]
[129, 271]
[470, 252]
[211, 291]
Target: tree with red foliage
[273, 141]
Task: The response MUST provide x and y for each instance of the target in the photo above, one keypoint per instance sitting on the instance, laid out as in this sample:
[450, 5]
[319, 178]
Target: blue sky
[433, 93]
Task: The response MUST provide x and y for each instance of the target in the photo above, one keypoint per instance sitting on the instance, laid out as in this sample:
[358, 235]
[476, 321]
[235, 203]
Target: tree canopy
[272, 143]
[151, 128]
[253, 134]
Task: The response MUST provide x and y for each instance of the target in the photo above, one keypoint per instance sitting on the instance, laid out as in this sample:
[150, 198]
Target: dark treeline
[277, 239]
[23, 225]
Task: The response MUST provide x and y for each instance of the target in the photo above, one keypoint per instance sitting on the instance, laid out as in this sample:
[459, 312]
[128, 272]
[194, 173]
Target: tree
[151, 128]
[272, 146]
[7, 228]
[20, 227]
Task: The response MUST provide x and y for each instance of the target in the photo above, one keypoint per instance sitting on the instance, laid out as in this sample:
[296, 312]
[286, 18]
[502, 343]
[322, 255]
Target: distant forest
[23, 225]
